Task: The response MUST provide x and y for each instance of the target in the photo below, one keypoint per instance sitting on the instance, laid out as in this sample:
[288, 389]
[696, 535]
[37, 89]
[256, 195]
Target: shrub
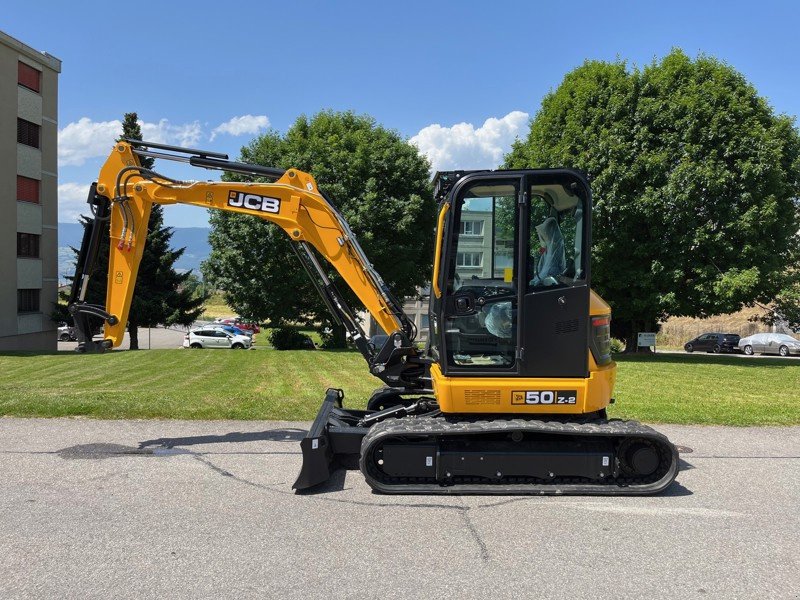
[288, 338]
[617, 346]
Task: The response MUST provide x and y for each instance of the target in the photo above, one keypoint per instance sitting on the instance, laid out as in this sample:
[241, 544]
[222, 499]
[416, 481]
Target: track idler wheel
[638, 458]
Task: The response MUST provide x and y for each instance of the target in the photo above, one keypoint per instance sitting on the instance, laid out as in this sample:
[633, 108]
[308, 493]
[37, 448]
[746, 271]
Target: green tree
[378, 181]
[162, 296]
[786, 308]
[693, 176]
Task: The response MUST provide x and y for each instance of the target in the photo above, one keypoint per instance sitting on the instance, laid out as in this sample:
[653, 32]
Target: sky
[460, 80]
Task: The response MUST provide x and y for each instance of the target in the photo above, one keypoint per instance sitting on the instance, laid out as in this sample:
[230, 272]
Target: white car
[770, 343]
[216, 337]
[66, 333]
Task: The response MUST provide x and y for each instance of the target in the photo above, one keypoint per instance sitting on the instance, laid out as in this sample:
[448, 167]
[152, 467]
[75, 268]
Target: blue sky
[460, 79]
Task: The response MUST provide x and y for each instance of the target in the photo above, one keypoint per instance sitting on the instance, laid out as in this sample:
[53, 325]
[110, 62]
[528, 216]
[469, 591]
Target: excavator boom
[122, 199]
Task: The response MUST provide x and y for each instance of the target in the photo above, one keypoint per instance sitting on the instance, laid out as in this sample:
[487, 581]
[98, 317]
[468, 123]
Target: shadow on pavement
[675, 489]
[271, 435]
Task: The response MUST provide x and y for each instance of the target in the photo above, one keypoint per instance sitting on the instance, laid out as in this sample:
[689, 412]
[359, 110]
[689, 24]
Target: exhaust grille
[567, 326]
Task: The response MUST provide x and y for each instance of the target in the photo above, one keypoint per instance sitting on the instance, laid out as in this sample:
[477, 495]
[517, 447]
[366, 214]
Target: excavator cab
[512, 297]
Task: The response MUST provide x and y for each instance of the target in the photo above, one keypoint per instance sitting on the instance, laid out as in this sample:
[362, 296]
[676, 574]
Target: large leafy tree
[378, 181]
[693, 176]
[162, 296]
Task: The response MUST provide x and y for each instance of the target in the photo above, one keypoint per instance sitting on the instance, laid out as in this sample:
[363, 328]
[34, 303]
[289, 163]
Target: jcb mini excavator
[510, 394]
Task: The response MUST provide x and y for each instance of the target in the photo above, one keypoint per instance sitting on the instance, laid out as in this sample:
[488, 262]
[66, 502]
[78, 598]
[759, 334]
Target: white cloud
[462, 146]
[86, 139]
[240, 125]
[165, 132]
[72, 201]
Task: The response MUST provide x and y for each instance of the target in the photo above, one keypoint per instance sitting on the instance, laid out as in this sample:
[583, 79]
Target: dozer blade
[334, 441]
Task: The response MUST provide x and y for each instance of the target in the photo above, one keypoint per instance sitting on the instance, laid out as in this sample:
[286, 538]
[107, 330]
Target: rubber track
[448, 426]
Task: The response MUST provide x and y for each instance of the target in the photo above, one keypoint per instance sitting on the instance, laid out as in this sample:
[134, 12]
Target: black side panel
[555, 333]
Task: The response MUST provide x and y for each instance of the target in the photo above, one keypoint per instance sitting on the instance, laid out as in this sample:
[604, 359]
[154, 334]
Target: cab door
[475, 319]
[554, 243]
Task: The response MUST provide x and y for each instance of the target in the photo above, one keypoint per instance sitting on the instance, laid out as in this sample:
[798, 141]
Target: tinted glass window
[556, 256]
[482, 273]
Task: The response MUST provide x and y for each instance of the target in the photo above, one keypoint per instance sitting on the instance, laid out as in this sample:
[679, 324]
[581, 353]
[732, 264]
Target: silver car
[66, 333]
[216, 337]
[770, 343]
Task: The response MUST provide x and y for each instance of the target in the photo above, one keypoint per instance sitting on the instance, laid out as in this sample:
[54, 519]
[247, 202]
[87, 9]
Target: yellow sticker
[517, 397]
[118, 277]
[508, 274]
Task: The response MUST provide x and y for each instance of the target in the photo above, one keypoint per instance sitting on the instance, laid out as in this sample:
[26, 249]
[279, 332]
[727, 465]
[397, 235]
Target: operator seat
[553, 262]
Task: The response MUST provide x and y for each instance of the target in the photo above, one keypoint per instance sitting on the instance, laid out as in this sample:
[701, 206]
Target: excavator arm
[122, 199]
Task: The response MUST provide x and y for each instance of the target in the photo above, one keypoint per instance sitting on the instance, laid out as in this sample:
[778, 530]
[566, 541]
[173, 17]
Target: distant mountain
[194, 239]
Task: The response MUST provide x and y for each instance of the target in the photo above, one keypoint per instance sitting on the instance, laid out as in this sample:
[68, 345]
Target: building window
[29, 77]
[28, 133]
[424, 323]
[470, 228]
[28, 301]
[27, 189]
[469, 259]
[28, 245]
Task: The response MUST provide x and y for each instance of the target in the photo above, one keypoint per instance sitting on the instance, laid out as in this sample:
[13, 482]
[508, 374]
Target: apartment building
[28, 196]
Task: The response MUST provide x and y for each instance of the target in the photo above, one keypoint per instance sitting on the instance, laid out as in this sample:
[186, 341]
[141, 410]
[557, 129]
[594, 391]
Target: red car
[241, 324]
[247, 325]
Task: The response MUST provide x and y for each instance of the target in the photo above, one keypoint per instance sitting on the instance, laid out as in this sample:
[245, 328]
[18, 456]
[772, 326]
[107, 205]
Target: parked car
[247, 325]
[770, 343]
[713, 342]
[236, 331]
[216, 337]
[66, 333]
[239, 322]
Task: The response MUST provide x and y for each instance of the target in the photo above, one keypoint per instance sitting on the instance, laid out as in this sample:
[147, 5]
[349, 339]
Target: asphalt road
[156, 509]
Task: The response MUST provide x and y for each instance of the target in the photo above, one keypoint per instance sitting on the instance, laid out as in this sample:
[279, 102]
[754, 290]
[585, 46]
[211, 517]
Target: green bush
[617, 346]
[333, 338]
[288, 338]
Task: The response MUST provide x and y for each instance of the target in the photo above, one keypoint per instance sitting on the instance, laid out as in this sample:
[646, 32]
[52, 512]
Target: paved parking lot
[154, 509]
[159, 338]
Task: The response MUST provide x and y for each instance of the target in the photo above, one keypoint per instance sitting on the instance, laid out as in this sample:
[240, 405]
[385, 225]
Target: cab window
[481, 323]
[556, 257]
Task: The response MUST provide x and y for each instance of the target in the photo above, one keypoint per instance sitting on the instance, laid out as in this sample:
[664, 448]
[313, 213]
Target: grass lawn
[711, 389]
[268, 384]
[215, 307]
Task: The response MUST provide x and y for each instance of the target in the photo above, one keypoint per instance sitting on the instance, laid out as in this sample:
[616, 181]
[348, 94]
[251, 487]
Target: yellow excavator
[508, 396]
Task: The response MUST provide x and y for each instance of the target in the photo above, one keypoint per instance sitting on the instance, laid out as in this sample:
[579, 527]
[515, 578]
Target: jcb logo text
[254, 202]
